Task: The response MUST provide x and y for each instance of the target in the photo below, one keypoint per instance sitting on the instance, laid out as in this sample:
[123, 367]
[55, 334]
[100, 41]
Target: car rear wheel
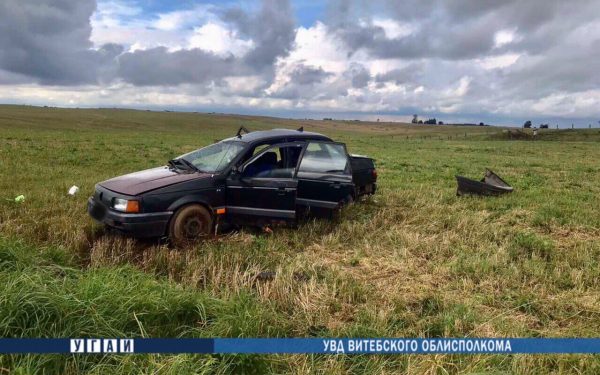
[189, 224]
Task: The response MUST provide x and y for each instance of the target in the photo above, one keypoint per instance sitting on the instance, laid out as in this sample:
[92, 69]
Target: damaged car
[252, 178]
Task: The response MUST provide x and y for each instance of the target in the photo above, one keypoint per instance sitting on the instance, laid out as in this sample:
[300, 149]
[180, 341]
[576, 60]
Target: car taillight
[374, 174]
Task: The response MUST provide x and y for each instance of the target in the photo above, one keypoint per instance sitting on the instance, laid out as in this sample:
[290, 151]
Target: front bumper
[139, 225]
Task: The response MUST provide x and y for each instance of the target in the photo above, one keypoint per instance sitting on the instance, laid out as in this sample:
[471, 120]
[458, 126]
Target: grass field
[414, 261]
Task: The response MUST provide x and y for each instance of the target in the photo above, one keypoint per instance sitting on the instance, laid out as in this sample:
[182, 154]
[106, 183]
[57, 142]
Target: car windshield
[214, 158]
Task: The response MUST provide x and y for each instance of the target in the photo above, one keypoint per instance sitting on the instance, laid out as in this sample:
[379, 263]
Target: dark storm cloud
[359, 75]
[314, 92]
[272, 29]
[460, 29]
[304, 82]
[158, 66]
[314, 83]
[48, 41]
[451, 43]
[557, 71]
[408, 74]
[306, 75]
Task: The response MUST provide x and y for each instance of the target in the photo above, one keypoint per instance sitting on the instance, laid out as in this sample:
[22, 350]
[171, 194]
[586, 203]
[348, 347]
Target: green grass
[415, 260]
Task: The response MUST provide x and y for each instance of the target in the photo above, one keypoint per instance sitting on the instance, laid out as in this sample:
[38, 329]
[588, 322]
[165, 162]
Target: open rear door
[325, 176]
[266, 186]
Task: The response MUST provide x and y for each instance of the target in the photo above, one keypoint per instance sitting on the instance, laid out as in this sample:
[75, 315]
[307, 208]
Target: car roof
[263, 135]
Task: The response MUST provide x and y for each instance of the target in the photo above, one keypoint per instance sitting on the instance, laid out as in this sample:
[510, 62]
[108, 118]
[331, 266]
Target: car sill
[261, 212]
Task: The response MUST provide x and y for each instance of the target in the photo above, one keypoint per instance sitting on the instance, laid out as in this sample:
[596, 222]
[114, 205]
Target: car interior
[277, 163]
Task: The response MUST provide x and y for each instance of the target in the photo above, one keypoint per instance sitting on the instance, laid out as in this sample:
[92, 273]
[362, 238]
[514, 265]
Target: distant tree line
[528, 125]
[434, 121]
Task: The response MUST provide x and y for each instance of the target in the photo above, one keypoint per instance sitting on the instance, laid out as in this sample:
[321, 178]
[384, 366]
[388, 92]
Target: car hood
[149, 179]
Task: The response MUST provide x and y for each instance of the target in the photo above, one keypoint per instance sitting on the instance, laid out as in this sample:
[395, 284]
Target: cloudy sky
[500, 62]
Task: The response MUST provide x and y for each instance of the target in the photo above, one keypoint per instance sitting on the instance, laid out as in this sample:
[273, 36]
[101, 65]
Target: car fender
[191, 199]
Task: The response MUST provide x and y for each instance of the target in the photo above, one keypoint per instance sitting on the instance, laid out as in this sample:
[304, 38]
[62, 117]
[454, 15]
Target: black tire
[190, 223]
[349, 200]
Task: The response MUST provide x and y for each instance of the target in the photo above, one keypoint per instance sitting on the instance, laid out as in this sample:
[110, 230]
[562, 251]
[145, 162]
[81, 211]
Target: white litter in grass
[73, 190]
[20, 199]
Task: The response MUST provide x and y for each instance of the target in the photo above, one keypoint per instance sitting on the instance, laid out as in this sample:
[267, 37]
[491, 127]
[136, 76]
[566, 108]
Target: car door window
[260, 148]
[324, 158]
[274, 162]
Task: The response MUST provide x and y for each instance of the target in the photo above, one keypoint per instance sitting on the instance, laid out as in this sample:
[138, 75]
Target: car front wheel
[189, 224]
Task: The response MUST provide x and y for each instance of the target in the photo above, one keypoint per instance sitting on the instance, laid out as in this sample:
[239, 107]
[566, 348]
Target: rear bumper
[138, 225]
[368, 189]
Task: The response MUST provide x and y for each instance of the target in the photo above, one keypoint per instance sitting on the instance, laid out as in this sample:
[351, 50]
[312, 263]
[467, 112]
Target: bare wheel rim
[193, 226]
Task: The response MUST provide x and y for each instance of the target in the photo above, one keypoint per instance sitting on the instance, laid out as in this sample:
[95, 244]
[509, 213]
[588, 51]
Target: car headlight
[125, 205]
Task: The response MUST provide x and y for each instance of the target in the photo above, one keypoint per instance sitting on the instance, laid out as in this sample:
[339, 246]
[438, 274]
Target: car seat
[263, 165]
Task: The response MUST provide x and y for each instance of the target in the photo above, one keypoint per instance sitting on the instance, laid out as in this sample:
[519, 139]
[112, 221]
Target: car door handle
[281, 190]
[336, 185]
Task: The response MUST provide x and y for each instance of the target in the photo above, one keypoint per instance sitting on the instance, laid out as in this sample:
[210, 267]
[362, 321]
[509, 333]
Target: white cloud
[503, 37]
[122, 23]
[394, 29]
[112, 11]
[501, 61]
[317, 46]
[182, 19]
[217, 38]
[462, 88]
[118, 22]
[244, 85]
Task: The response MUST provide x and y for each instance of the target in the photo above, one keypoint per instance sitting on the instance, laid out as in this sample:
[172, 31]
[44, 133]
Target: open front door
[266, 186]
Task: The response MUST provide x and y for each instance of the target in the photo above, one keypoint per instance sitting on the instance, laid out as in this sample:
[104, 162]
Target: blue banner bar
[409, 346]
[304, 345]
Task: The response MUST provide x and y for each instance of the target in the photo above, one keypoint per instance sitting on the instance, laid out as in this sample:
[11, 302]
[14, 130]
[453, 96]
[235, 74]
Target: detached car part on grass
[254, 178]
[490, 184]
